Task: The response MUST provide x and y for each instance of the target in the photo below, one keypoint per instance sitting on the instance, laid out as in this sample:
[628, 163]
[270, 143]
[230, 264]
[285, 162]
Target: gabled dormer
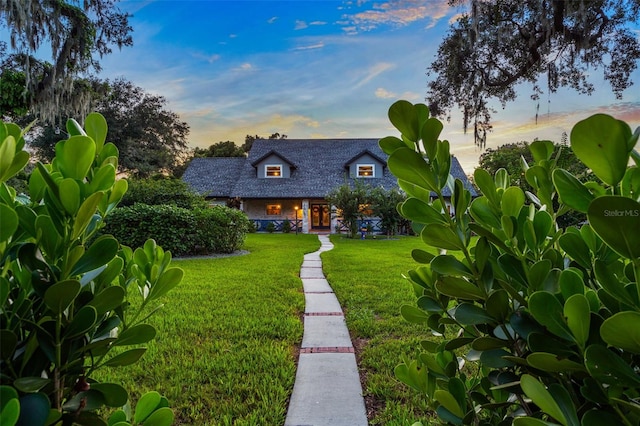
[273, 165]
[365, 165]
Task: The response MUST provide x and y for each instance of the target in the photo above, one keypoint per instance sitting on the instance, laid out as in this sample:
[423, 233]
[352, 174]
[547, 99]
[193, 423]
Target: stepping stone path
[327, 390]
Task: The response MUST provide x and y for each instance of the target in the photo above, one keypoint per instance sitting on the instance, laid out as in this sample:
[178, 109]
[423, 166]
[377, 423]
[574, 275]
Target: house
[288, 179]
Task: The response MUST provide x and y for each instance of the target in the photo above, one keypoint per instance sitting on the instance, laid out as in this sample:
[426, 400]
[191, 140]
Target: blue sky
[316, 69]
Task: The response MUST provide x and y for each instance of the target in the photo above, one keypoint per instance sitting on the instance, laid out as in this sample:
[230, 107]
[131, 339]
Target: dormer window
[273, 170]
[366, 170]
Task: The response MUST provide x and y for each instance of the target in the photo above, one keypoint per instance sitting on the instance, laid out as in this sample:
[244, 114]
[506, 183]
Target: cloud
[396, 13]
[318, 45]
[245, 67]
[384, 93]
[374, 71]
[300, 25]
[272, 20]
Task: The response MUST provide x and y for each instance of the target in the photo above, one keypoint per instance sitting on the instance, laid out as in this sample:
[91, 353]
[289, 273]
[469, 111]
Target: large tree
[550, 44]
[76, 33]
[151, 139]
[220, 149]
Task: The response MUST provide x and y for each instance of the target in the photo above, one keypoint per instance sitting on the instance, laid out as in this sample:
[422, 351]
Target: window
[274, 209]
[366, 170]
[365, 209]
[273, 170]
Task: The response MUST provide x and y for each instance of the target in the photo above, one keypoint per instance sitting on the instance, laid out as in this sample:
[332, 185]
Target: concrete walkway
[327, 390]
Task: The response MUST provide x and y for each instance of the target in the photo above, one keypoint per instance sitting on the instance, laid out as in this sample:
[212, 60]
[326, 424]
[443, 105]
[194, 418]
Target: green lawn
[366, 276]
[228, 335]
[225, 352]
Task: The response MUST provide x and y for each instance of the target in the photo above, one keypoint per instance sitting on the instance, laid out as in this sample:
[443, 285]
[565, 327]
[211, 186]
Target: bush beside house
[218, 229]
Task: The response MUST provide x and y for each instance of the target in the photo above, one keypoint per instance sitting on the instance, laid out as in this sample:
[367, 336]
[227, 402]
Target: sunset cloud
[396, 13]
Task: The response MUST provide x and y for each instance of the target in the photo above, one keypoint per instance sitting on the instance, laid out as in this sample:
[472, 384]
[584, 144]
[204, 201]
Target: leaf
[101, 252]
[9, 406]
[459, 288]
[611, 217]
[83, 321]
[578, 314]
[553, 363]
[541, 150]
[390, 144]
[126, 358]
[600, 142]
[622, 330]
[412, 375]
[496, 358]
[103, 179]
[422, 256]
[30, 384]
[571, 191]
[576, 248]
[161, 417]
[75, 157]
[108, 299]
[449, 402]
[487, 343]
[85, 214]
[482, 211]
[114, 394]
[140, 333]
[411, 167]
[9, 220]
[571, 283]
[34, 409]
[564, 401]
[512, 201]
[413, 314]
[421, 212]
[167, 281]
[498, 305]
[609, 281]
[430, 133]
[607, 367]
[69, 195]
[441, 236]
[531, 421]
[470, 314]
[404, 117]
[60, 295]
[146, 405]
[547, 310]
[96, 128]
[541, 397]
[449, 265]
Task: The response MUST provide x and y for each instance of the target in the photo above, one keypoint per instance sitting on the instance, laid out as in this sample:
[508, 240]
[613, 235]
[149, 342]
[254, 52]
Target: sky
[319, 69]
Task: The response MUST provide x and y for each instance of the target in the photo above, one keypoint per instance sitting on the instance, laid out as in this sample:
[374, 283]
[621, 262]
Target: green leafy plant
[549, 317]
[286, 226]
[271, 227]
[68, 298]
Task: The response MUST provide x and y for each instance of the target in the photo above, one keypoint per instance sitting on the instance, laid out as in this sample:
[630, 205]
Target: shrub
[551, 316]
[66, 297]
[217, 229]
[172, 227]
[221, 229]
[160, 191]
[270, 227]
[286, 226]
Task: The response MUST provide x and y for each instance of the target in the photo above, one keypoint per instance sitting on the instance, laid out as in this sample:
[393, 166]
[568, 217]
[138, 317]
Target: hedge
[217, 229]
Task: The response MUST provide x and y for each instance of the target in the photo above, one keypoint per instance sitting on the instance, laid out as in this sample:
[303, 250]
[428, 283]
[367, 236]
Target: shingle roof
[214, 176]
[320, 167]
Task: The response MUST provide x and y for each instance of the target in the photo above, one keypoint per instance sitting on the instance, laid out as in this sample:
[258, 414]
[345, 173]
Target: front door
[320, 217]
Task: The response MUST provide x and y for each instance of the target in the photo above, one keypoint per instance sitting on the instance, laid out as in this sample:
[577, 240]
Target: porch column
[305, 216]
